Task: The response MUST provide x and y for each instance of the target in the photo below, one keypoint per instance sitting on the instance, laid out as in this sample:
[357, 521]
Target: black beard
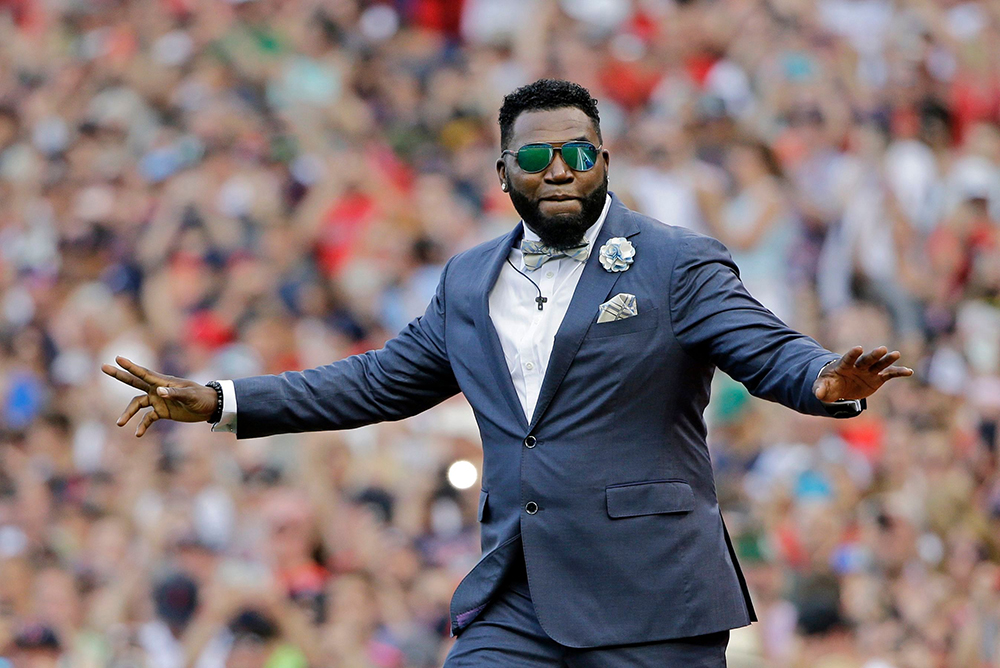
[564, 231]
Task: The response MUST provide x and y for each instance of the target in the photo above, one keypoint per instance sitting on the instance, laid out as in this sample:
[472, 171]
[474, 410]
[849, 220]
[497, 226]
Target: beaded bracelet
[217, 415]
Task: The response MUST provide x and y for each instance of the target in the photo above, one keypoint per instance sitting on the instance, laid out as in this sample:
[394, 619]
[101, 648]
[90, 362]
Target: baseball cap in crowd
[380, 501]
[37, 636]
[176, 598]
[253, 626]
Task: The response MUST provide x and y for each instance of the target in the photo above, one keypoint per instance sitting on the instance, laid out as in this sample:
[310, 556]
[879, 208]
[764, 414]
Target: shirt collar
[590, 236]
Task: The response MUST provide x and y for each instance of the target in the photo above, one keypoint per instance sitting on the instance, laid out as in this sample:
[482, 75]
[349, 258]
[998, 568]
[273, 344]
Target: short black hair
[544, 95]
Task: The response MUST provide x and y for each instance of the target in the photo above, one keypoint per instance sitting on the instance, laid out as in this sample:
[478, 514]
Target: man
[585, 341]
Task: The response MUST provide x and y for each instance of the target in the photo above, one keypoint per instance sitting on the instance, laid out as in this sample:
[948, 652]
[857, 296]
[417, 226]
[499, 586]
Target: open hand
[856, 376]
[169, 397]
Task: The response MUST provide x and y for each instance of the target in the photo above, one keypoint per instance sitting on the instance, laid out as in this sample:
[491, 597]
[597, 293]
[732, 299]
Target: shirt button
[529, 366]
[529, 442]
[531, 507]
[549, 274]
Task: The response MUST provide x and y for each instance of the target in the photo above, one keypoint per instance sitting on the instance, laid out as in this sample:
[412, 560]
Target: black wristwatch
[846, 408]
[217, 415]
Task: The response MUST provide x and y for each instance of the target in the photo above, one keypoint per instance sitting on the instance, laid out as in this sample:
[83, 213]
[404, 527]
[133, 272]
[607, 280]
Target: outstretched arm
[715, 317]
[409, 375]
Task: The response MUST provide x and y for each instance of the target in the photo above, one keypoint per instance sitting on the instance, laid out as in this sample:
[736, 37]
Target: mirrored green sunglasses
[581, 156]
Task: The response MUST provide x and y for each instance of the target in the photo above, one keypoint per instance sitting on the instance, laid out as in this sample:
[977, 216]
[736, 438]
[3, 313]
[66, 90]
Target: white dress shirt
[228, 420]
[526, 334]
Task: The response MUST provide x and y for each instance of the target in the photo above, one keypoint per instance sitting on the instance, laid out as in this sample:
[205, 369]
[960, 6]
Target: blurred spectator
[671, 183]
[757, 225]
[37, 646]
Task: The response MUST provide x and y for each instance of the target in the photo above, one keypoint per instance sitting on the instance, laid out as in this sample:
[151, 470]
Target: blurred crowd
[220, 188]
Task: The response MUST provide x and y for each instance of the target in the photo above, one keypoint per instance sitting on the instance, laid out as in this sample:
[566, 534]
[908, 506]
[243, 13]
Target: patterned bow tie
[536, 253]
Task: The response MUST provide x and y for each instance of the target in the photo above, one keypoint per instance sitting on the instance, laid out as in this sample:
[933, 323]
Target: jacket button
[531, 507]
[529, 442]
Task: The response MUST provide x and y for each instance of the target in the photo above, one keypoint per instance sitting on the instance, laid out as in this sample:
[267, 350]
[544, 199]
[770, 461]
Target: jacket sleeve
[714, 316]
[410, 374]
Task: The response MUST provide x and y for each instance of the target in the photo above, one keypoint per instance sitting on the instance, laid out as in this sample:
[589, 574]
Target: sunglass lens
[580, 157]
[534, 158]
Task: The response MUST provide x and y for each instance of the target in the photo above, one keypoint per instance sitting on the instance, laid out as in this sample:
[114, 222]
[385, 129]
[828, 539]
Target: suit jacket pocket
[654, 497]
[636, 323]
[483, 494]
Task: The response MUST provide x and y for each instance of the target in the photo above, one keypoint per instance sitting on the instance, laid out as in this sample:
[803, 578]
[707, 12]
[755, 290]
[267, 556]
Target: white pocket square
[619, 307]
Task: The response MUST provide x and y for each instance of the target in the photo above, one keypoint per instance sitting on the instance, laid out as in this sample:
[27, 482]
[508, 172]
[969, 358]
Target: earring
[503, 187]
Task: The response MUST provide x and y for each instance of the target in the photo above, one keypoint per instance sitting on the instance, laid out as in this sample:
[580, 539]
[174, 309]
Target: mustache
[564, 230]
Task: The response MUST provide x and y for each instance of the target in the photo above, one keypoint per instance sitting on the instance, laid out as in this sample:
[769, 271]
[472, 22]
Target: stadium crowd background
[222, 188]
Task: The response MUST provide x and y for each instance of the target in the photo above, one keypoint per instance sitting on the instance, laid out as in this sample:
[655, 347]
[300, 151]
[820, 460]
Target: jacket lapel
[488, 337]
[591, 291]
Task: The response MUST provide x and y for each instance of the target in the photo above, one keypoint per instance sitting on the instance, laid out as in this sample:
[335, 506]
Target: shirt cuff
[227, 423]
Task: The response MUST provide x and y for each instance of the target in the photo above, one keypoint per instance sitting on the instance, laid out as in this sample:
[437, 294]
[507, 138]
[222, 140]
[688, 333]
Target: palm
[857, 375]
[168, 397]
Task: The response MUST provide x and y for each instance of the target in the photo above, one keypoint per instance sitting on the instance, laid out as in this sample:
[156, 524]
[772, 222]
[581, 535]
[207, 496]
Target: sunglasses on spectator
[580, 156]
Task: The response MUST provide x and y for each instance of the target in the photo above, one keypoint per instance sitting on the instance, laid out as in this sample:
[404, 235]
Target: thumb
[824, 389]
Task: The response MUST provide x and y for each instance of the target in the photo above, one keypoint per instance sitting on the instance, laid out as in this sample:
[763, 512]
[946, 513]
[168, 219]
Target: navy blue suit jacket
[628, 544]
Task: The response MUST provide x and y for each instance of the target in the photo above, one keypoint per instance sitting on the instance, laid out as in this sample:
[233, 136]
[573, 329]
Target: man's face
[557, 203]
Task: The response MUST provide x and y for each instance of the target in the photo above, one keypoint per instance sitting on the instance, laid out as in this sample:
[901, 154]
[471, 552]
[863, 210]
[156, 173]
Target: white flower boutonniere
[617, 254]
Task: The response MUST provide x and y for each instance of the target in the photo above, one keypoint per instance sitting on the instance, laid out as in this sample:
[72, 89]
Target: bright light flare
[462, 474]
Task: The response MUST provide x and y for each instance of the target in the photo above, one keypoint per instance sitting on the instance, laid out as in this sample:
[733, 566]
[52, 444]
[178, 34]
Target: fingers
[147, 419]
[886, 362]
[140, 371]
[868, 359]
[895, 372]
[125, 377]
[138, 402]
[851, 356]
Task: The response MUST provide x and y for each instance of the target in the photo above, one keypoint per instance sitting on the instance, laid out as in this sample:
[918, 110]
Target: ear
[607, 159]
[502, 171]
